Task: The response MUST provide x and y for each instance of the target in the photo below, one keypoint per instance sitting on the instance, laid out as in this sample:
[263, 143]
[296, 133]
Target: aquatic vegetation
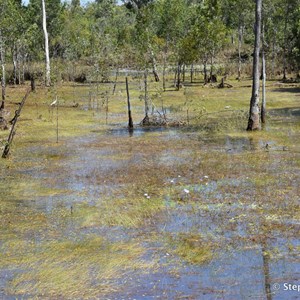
[191, 248]
[128, 212]
[104, 205]
[70, 268]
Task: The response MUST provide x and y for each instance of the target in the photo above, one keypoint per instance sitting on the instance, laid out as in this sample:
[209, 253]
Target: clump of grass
[192, 248]
[68, 269]
[127, 212]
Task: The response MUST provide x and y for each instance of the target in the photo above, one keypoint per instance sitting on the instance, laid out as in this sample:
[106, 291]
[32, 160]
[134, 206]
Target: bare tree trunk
[24, 59]
[164, 72]
[152, 56]
[205, 70]
[192, 73]
[2, 59]
[253, 122]
[178, 76]
[19, 60]
[14, 56]
[147, 106]
[183, 73]
[48, 70]
[115, 83]
[165, 55]
[154, 66]
[211, 68]
[263, 101]
[240, 33]
[130, 123]
[273, 55]
[285, 39]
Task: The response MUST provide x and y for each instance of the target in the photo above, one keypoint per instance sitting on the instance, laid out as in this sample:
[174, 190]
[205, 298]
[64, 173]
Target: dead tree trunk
[253, 122]
[14, 122]
[130, 122]
[183, 73]
[192, 73]
[115, 83]
[32, 82]
[178, 76]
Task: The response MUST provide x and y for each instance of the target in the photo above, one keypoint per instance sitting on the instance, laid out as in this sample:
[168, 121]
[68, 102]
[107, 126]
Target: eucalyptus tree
[45, 19]
[172, 27]
[294, 35]
[254, 120]
[145, 39]
[9, 32]
[296, 49]
[75, 35]
[207, 36]
[47, 57]
[237, 16]
[280, 20]
[110, 28]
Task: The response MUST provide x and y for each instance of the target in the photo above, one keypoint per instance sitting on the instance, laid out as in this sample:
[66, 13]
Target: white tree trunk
[254, 120]
[264, 100]
[2, 60]
[48, 70]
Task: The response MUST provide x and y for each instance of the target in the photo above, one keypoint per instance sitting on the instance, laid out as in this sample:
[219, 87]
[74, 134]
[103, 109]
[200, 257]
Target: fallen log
[14, 122]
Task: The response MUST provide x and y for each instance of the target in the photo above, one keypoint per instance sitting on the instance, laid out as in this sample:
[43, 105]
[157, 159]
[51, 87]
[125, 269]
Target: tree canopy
[185, 31]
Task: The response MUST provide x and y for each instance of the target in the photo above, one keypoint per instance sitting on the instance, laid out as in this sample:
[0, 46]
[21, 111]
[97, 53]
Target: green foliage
[106, 35]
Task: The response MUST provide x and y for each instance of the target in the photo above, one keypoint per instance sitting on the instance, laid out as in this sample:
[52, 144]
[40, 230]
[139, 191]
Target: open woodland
[130, 165]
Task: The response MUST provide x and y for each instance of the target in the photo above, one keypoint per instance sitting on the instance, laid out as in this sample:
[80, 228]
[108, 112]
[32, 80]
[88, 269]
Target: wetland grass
[191, 248]
[128, 199]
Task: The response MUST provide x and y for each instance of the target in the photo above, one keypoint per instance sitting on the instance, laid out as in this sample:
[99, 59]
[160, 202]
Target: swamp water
[157, 214]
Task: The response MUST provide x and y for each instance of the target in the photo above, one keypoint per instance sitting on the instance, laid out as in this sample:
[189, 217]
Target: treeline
[146, 34]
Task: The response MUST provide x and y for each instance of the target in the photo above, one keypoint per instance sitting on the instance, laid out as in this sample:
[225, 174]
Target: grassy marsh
[102, 214]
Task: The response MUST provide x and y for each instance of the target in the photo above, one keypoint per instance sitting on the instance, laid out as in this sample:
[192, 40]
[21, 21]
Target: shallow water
[208, 187]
